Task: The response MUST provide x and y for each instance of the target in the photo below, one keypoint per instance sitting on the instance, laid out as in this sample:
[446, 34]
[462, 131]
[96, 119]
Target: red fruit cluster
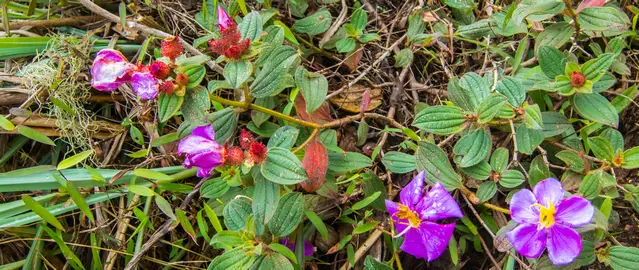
[234, 156]
[257, 152]
[229, 44]
[167, 87]
[172, 47]
[577, 79]
[246, 139]
[159, 70]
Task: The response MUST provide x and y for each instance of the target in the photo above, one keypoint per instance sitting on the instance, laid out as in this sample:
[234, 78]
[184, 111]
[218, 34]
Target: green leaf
[475, 30]
[6, 124]
[136, 135]
[499, 160]
[275, 261]
[371, 264]
[366, 201]
[213, 217]
[404, 58]
[73, 160]
[224, 123]
[441, 120]
[532, 117]
[365, 227]
[551, 61]
[596, 67]
[288, 34]
[528, 139]
[365, 38]
[227, 238]
[602, 148]
[480, 171]
[398, 162]
[251, 26]
[631, 158]
[79, 200]
[572, 160]
[41, 211]
[362, 133]
[35, 135]
[596, 107]
[489, 108]
[554, 124]
[359, 19]
[196, 74]
[168, 106]
[235, 259]
[151, 174]
[314, 24]
[351, 161]
[602, 19]
[317, 222]
[283, 167]
[66, 251]
[186, 224]
[313, 87]
[486, 191]
[614, 137]
[555, 35]
[165, 207]
[623, 258]
[288, 214]
[538, 171]
[373, 184]
[346, 45]
[284, 137]
[270, 78]
[590, 186]
[511, 179]
[434, 160]
[141, 190]
[472, 148]
[471, 91]
[511, 88]
[237, 72]
[214, 188]
[266, 197]
[283, 250]
[235, 214]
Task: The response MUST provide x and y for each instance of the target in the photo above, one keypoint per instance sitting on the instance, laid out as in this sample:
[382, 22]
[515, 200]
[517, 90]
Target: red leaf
[366, 101]
[320, 115]
[590, 3]
[315, 163]
[352, 61]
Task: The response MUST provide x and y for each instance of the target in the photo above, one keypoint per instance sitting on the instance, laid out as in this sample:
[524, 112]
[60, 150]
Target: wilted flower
[414, 216]
[309, 249]
[145, 85]
[171, 47]
[223, 19]
[201, 150]
[546, 219]
[229, 44]
[110, 70]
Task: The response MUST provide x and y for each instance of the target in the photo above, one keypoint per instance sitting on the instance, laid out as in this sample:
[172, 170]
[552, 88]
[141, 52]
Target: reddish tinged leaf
[591, 3]
[320, 115]
[352, 61]
[366, 101]
[315, 163]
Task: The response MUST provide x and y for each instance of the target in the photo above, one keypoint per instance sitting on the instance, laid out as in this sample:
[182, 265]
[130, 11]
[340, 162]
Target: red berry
[234, 156]
[182, 79]
[246, 139]
[257, 152]
[172, 47]
[160, 70]
[167, 87]
[577, 79]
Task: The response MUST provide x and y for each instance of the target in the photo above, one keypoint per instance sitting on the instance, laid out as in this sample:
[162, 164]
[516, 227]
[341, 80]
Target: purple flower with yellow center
[309, 249]
[546, 220]
[110, 70]
[414, 217]
[202, 151]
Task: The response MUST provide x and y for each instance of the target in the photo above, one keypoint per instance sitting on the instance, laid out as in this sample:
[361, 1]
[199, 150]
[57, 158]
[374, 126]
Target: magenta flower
[110, 70]
[202, 151]
[145, 85]
[414, 218]
[308, 248]
[546, 219]
[223, 20]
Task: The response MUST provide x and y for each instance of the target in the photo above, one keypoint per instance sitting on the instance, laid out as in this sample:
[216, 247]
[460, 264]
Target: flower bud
[167, 87]
[577, 79]
[223, 20]
[234, 156]
[246, 139]
[182, 79]
[257, 152]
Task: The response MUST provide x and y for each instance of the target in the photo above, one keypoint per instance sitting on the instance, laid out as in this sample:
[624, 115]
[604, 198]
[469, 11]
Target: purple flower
[546, 219]
[110, 69]
[202, 150]
[308, 248]
[145, 85]
[223, 19]
[414, 217]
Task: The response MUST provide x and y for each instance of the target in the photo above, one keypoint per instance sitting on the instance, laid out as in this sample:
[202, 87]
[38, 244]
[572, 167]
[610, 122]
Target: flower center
[407, 214]
[546, 215]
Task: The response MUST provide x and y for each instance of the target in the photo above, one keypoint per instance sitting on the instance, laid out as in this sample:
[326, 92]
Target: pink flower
[110, 70]
[145, 85]
[309, 249]
[223, 19]
[202, 151]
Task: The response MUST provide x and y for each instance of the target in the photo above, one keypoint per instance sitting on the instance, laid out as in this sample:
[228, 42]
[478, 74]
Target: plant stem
[473, 198]
[310, 139]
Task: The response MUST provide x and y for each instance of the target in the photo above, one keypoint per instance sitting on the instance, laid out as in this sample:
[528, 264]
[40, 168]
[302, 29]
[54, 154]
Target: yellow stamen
[407, 214]
[546, 215]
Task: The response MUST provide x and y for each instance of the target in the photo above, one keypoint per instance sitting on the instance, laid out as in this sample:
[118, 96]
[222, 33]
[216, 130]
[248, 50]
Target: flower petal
[564, 244]
[195, 144]
[309, 249]
[145, 85]
[204, 172]
[522, 209]
[549, 190]
[575, 211]
[412, 193]
[223, 19]
[527, 240]
[393, 208]
[414, 244]
[209, 159]
[108, 76]
[110, 55]
[436, 238]
[205, 132]
[438, 204]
